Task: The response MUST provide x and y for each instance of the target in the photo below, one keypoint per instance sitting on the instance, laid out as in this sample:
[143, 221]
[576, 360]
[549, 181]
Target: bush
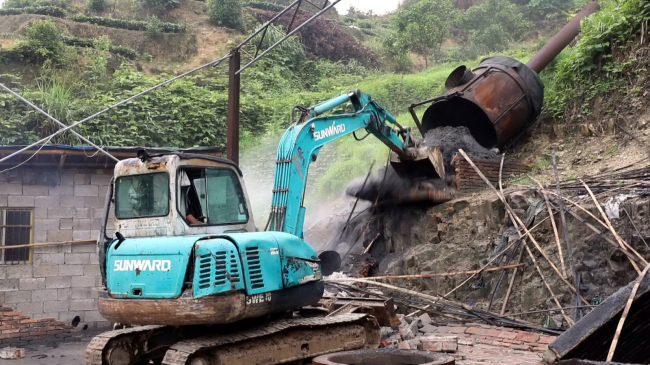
[45, 39]
[226, 13]
[97, 5]
[35, 3]
[54, 11]
[160, 5]
[101, 44]
[265, 5]
[127, 24]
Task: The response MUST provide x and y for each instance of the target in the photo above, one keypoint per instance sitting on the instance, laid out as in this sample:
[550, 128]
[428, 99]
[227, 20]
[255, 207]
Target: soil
[451, 139]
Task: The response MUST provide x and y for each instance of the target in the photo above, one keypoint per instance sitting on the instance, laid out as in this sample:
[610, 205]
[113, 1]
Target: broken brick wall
[467, 179]
[19, 329]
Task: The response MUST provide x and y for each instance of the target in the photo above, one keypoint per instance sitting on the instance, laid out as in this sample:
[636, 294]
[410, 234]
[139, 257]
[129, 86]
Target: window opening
[16, 229]
[211, 196]
[139, 196]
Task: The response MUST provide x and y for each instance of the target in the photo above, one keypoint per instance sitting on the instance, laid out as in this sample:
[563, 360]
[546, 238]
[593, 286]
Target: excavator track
[270, 342]
[279, 341]
[96, 352]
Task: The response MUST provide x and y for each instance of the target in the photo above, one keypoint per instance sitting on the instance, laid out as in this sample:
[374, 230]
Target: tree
[44, 40]
[422, 27]
[544, 9]
[226, 13]
[97, 5]
[492, 24]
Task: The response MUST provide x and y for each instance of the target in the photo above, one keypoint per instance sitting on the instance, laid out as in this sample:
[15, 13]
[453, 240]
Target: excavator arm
[302, 142]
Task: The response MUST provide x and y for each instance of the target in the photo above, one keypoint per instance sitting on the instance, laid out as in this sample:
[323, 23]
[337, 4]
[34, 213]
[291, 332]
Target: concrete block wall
[62, 281]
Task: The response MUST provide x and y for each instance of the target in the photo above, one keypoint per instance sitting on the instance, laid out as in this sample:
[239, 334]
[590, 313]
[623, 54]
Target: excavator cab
[185, 238]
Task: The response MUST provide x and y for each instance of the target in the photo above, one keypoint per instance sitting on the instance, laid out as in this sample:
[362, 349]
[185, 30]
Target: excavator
[190, 279]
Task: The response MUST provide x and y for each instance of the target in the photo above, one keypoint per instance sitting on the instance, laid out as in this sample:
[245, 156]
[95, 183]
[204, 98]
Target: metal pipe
[234, 80]
[562, 39]
[290, 34]
[56, 121]
[215, 62]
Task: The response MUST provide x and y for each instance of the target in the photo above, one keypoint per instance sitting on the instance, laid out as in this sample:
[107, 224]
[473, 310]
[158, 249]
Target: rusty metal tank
[496, 100]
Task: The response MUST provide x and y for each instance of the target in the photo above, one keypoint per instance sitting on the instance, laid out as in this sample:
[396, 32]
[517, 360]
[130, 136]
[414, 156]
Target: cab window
[211, 196]
[138, 196]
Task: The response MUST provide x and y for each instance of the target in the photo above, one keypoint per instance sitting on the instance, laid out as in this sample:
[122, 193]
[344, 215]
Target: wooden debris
[512, 282]
[555, 232]
[517, 222]
[619, 327]
[541, 274]
[624, 245]
[444, 274]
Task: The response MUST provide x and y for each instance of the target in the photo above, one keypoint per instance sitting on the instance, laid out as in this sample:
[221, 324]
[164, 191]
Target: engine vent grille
[234, 269]
[254, 267]
[204, 271]
[220, 268]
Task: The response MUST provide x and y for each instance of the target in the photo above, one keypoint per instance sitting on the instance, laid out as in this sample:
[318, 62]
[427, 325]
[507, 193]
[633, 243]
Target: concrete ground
[68, 353]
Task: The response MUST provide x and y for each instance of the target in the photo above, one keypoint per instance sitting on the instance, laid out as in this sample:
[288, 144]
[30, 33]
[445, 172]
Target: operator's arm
[191, 220]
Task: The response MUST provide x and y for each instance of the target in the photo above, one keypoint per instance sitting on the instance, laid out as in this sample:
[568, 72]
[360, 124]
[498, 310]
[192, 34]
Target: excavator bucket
[425, 162]
[426, 170]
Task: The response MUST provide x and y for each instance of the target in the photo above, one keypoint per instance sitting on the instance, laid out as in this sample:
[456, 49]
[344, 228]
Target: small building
[55, 195]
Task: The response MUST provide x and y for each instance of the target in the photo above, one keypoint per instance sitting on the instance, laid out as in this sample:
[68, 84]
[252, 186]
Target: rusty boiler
[496, 100]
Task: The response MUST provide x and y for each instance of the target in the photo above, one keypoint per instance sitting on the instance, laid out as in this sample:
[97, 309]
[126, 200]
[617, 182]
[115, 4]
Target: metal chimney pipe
[562, 39]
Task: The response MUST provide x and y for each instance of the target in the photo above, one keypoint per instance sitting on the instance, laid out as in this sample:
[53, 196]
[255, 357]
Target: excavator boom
[301, 143]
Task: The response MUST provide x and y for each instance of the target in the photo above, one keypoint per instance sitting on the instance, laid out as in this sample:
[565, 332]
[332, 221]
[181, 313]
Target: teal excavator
[198, 284]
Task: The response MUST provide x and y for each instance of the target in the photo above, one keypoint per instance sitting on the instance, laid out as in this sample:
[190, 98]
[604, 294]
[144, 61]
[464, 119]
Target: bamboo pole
[482, 268]
[565, 228]
[626, 311]
[541, 274]
[555, 232]
[552, 310]
[417, 276]
[598, 232]
[41, 244]
[620, 241]
[517, 221]
[371, 242]
[512, 283]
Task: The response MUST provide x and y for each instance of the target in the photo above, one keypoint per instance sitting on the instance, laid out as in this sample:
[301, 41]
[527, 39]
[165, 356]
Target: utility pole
[234, 85]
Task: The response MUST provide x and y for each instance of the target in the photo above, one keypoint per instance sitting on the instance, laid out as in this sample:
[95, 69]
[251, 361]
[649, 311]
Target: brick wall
[61, 282]
[467, 179]
[17, 328]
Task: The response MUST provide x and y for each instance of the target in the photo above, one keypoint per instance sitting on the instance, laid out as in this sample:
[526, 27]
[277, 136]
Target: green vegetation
[603, 62]
[44, 41]
[97, 5]
[54, 11]
[101, 43]
[128, 24]
[265, 5]
[227, 13]
[72, 77]
[492, 25]
[160, 5]
[423, 26]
